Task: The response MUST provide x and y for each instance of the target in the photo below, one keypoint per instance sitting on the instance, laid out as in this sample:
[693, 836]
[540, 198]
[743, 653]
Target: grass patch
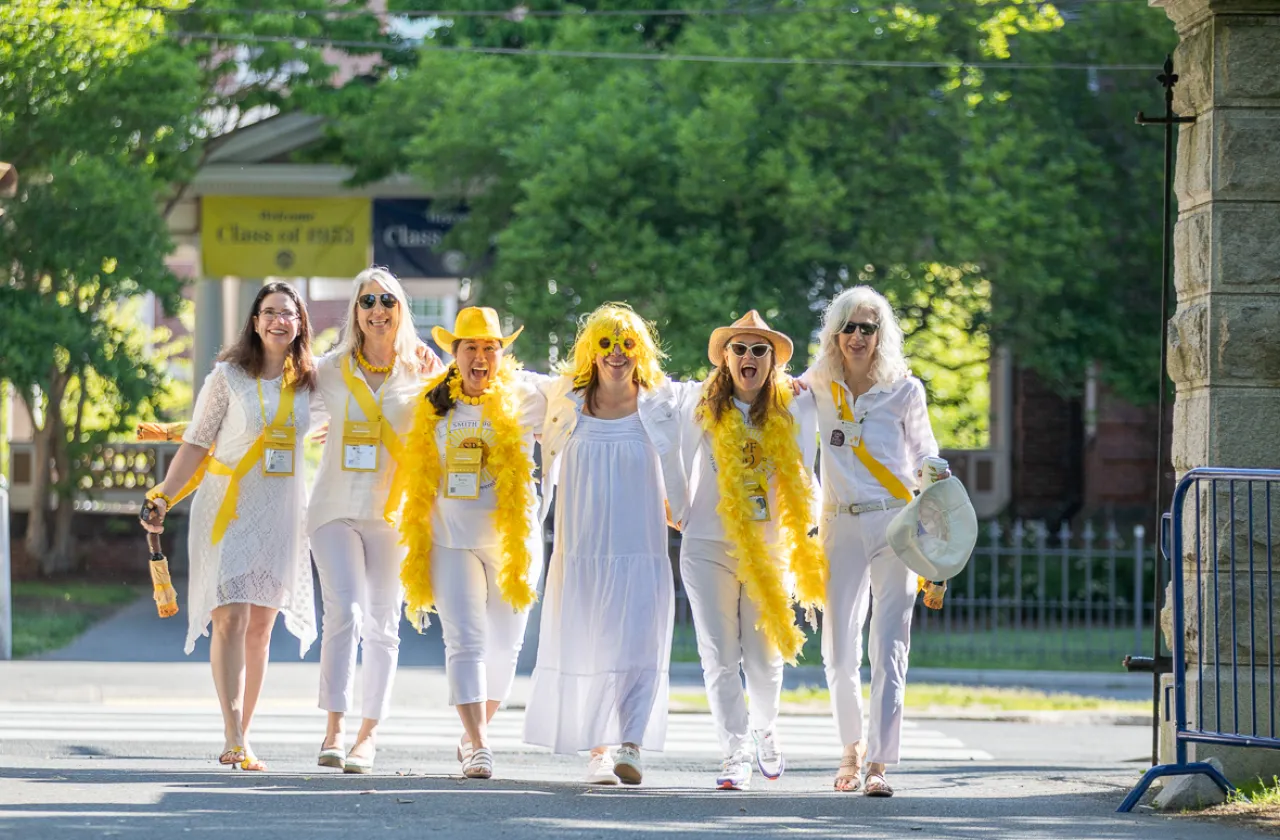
[936, 646]
[48, 615]
[929, 696]
[1255, 805]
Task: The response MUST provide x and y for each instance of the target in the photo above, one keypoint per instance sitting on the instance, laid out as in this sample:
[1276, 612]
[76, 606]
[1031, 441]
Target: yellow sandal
[252, 762]
[232, 757]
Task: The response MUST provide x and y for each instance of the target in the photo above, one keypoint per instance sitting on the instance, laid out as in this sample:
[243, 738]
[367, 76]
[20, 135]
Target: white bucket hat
[936, 532]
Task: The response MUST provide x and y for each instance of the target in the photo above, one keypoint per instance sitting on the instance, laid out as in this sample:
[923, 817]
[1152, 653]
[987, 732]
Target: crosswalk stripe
[691, 735]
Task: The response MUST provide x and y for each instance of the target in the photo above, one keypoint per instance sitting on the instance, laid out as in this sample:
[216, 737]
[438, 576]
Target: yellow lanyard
[881, 473]
[227, 510]
[359, 389]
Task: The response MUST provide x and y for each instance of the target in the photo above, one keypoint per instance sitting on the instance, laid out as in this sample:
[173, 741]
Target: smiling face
[377, 323]
[753, 368]
[277, 322]
[616, 356]
[856, 349]
[478, 361]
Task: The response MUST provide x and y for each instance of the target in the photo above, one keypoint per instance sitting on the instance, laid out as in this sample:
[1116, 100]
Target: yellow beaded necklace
[364, 363]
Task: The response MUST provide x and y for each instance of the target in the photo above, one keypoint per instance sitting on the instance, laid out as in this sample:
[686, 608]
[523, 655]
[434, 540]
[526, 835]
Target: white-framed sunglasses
[758, 350]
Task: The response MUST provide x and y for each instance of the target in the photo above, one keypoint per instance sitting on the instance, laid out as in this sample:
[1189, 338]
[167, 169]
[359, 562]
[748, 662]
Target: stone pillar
[208, 337]
[1224, 353]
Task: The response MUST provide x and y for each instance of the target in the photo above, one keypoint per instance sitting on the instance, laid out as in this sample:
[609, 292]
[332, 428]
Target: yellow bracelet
[157, 492]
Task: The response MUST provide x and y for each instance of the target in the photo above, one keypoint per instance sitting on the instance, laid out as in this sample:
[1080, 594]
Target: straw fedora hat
[752, 324]
[474, 322]
[936, 532]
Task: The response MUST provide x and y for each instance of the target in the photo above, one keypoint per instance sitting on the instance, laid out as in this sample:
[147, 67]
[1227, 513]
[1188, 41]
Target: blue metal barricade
[1225, 552]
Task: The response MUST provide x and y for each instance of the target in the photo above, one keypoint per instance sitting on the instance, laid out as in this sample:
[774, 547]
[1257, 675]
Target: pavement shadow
[983, 804]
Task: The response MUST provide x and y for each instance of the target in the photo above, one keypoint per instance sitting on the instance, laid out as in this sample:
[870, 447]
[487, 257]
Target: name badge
[463, 480]
[360, 442]
[277, 455]
[852, 432]
[758, 496]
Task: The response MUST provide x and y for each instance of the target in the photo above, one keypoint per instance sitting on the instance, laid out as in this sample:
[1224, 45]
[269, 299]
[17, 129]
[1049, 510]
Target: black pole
[1168, 79]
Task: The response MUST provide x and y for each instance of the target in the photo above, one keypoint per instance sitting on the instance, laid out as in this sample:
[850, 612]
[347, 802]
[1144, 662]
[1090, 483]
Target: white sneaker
[768, 757]
[735, 772]
[600, 770]
[627, 766]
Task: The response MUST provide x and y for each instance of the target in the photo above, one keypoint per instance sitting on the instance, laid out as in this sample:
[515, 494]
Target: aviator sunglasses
[865, 327]
[388, 300]
[757, 350]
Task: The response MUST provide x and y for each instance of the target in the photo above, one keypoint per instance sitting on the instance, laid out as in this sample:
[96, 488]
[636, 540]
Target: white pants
[359, 565]
[863, 567]
[482, 633]
[725, 621]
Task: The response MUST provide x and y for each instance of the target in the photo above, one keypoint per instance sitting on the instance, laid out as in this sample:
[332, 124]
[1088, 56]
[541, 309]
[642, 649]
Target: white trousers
[359, 566]
[863, 567]
[482, 633]
[725, 621]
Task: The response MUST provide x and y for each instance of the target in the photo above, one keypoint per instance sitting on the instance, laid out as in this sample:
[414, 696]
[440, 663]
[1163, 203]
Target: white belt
[854, 510]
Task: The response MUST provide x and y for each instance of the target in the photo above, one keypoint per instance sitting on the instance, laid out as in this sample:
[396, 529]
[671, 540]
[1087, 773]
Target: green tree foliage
[106, 109]
[993, 205]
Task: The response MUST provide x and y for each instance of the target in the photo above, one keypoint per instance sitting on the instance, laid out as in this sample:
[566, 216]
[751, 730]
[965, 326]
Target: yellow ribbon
[364, 398]
[227, 512]
[879, 471]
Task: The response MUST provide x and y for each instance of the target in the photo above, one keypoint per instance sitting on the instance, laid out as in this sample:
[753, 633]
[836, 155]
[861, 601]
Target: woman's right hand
[155, 521]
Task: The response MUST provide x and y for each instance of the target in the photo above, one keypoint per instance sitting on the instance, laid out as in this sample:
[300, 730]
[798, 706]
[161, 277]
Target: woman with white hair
[369, 383]
[874, 433]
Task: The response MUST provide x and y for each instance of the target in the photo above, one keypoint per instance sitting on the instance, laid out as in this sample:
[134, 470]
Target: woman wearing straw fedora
[248, 548]
[369, 383]
[611, 452]
[749, 445]
[470, 520]
[875, 435]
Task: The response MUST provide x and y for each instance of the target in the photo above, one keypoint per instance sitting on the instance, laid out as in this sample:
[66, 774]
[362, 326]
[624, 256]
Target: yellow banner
[248, 236]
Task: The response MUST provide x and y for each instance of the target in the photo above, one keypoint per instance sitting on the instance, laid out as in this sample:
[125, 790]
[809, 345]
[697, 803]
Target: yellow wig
[610, 322]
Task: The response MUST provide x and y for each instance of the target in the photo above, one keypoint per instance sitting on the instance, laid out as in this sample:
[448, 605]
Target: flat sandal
[854, 767]
[877, 786]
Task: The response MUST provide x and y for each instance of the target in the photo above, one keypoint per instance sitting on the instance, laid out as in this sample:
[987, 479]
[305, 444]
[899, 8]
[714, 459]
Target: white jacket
[660, 413]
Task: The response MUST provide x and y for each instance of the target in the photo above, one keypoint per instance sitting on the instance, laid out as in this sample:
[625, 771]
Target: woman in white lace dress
[249, 557]
[611, 447]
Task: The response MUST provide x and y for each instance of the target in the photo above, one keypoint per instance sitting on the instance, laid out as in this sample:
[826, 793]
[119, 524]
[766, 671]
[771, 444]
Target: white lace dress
[607, 613]
[264, 557]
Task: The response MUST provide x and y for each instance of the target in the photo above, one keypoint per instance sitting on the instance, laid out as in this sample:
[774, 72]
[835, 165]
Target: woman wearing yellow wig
[471, 520]
[611, 447]
[749, 446]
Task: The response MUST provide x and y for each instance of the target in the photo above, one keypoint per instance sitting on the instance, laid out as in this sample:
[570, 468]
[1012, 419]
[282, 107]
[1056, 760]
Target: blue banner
[407, 233]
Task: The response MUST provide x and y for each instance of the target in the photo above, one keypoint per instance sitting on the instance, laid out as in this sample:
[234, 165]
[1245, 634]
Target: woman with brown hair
[749, 446]
[249, 557]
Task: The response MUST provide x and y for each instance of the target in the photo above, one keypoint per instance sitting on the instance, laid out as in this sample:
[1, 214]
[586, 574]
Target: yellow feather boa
[512, 467]
[762, 576]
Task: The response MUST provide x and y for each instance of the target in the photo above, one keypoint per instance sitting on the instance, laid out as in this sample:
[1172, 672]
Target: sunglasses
[388, 301]
[865, 327]
[628, 345]
[757, 350]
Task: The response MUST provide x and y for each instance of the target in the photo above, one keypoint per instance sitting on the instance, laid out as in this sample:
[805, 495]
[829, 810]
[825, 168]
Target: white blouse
[347, 494]
[895, 429]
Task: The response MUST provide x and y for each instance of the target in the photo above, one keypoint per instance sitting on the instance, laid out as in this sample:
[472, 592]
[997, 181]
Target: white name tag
[360, 457]
[463, 485]
[852, 432]
[277, 462]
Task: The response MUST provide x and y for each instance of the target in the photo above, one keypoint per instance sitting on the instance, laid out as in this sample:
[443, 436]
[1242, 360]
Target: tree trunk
[63, 554]
[37, 537]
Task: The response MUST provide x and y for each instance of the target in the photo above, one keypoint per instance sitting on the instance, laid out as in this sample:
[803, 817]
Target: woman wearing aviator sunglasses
[875, 434]
[369, 383]
[748, 447]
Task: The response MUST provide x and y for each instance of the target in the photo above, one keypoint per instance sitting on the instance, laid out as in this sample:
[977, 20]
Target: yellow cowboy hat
[475, 323]
[751, 324]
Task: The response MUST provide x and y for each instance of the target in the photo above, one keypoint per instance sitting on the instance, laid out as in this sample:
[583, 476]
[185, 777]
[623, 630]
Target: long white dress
[263, 558]
[608, 609]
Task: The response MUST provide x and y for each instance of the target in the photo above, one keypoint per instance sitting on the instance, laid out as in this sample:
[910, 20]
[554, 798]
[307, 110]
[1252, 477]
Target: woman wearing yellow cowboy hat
[368, 384]
[470, 519]
[749, 446]
[611, 453]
